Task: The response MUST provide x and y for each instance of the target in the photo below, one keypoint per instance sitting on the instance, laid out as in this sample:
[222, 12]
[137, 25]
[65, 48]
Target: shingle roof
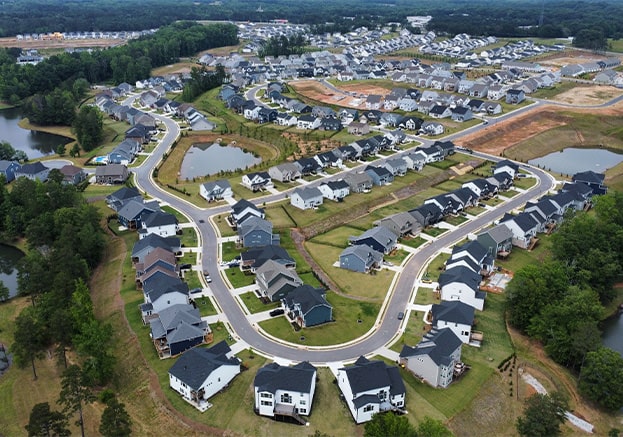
[461, 274]
[307, 297]
[499, 233]
[453, 311]
[437, 344]
[196, 365]
[273, 377]
[366, 375]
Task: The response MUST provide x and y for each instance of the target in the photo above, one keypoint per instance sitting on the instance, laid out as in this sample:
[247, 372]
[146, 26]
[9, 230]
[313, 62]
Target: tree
[29, 339]
[542, 416]
[75, 150]
[389, 424]
[60, 149]
[4, 292]
[89, 127]
[44, 422]
[116, 421]
[75, 393]
[432, 428]
[601, 378]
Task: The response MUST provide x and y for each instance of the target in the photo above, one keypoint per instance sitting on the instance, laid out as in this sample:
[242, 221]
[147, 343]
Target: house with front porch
[160, 223]
[281, 391]
[335, 190]
[360, 258]
[507, 166]
[111, 174]
[254, 258]
[35, 171]
[257, 181]
[400, 224]
[148, 244]
[371, 387]
[275, 280]
[396, 166]
[256, 232]
[432, 128]
[434, 358]
[379, 175]
[215, 190]
[415, 160]
[243, 209]
[524, 228]
[463, 284]
[476, 254]
[378, 238]
[285, 172]
[200, 373]
[358, 182]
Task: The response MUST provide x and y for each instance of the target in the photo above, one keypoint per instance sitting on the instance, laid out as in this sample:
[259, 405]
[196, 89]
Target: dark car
[401, 315]
[276, 312]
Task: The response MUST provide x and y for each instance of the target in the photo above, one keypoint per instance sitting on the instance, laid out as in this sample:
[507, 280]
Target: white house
[463, 284]
[455, 315]
[306, 197]
[215, 190]
[285, 391]
[335, 190]
[371, 387]
[524, 228]
[433, 359]
[200, 373]
[257, 181]
[161, 223]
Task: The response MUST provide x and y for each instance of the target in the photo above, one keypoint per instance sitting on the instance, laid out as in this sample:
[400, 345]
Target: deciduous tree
[46, 423]
[543, 415]
[601, 378]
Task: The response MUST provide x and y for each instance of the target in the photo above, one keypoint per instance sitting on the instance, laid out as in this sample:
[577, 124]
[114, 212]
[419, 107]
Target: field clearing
[51, 44]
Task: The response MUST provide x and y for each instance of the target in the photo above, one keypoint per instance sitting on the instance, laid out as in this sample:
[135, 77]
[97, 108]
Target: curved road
[387, 324]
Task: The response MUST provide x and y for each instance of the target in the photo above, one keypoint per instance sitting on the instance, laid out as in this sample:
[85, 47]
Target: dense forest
[512, 18]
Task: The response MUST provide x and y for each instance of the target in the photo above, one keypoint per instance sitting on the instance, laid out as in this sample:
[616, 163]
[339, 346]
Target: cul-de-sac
[331, 218]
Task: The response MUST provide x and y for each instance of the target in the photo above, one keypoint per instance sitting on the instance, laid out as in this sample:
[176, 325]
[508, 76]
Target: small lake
[9, 257]
[613, 333]
[572, 160]
[208, 159]
[35, 144]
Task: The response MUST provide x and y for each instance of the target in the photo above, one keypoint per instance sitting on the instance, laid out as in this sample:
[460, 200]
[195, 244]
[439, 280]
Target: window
[286, 398]
[302, 411]
[303, 402]
[367, 408]
[266, 395]
[266, 403]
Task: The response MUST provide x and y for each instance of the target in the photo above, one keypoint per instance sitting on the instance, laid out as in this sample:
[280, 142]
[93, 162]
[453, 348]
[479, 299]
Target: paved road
[388, 325]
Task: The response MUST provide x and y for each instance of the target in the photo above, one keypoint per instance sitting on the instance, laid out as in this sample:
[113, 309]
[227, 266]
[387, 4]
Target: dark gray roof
[196, 364]
[381, 234]
[461, 274]
[154, 240]
[499, 233]
[33, 168]
[261, 254]
[453, 311]
[524, 220]
[473, 248]
[273, 377]
[133, 209]
[159, 218]
[437, 344]
[366, 375]
[589, 177]
[337, 185]
[307, 297]
[308, 193]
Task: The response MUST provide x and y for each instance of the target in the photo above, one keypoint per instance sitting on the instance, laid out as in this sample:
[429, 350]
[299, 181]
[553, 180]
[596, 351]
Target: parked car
[207, 277]
[276, 312]
[401, 315]
[196, 290]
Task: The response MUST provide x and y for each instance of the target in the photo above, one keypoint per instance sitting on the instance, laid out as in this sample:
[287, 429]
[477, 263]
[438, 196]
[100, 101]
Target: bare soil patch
[351, 95]
[589, 95]
[59, 43]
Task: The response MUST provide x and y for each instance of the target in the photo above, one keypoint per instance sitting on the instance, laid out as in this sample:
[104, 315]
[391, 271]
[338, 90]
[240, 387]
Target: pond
[35, 144]
[613, 333]
[9, 258]
[209, 159]
[573, 160]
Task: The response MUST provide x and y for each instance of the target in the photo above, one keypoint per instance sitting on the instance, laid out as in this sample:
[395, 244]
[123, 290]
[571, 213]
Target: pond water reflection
[208, 159]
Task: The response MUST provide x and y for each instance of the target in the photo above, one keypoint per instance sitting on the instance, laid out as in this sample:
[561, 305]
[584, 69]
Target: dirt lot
[59, 44]
[569, 57]
[350, 95]
[588, 95]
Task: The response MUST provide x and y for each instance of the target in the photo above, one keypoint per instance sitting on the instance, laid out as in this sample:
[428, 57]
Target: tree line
[561, 301]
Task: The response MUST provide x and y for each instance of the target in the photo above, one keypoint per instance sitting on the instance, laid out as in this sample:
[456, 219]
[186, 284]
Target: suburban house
[524, 228]
[161, 223]
[243, 210]
[358, 182]
[215, 190]
[285, 172]
[582, 194]
[116, 200]
[178, 328]
[396, 166]
[462, 283]
[474, 256]
[401, 224]
[307, 166]
[133, 212]
[307, 306]
[256, 232]
[200, 373]
[507, 166]
[257, 181]
[432, 128]
[335, 190]
[434, 358]
[275, 280]
[357, 128]
[147, 245]
[163, 297]
[379, 175]
[462, 113]
[378, 238]
[454, 315]
[481, 187]
[8, 169]
[72, 175]
[360, 258]
[255, 257]
[111, 174]
[593, 180]
[35, 171]
[285, 391]
[514, 96]
[427, 214]
[371, 387]
[306, 197]
[415, 160]
[328, 159]
[498, 240]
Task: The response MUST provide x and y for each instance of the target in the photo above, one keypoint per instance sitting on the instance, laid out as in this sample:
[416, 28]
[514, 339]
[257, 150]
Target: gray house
[434, 357]
[498, 240]
[35, 171]
[111, 174]
[360, 258]
[307, 306]
[378, 238]
[285, 172]
[275, 281]
[400, 224]
[379, 175]
[358, 182]
[215, 190]
[255, 232]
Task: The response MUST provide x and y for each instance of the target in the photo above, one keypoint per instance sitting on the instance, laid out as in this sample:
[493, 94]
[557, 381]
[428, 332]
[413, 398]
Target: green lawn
[413, 242]
[510, 193]
[223, 228]
[494, 201]
[346, 312]
[455, 220]
[352, 283]
[189, 237]
[229, 250]
[524, 183]
[434, 232]
[206, 308]
[279, 217]
[475, 210]
[255, 305]
[181, 218]
[436, 266]
[414, 331]
[426, 296]
[397, 257]
[239, 279]
[519, 258]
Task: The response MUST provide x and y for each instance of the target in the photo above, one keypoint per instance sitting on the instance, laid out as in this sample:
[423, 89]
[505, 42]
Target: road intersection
[398, 299]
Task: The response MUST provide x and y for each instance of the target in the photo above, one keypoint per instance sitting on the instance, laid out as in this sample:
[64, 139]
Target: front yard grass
[519, 258]
[255, 305]
[436, 266]
[223, 228]
[494, 201]
[229, 250]
[414, 331]
[346, 313]
[397, 257]
[205, 306]
[238, 278]
[434, 231]
[371, 286]
[524, 183]
[426, 296]
[181, 218]
[279, 217]
[414, 242]
[188, 237]
[455, 220]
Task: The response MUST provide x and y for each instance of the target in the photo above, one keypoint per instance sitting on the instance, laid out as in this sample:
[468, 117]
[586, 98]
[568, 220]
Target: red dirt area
[349, 95]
